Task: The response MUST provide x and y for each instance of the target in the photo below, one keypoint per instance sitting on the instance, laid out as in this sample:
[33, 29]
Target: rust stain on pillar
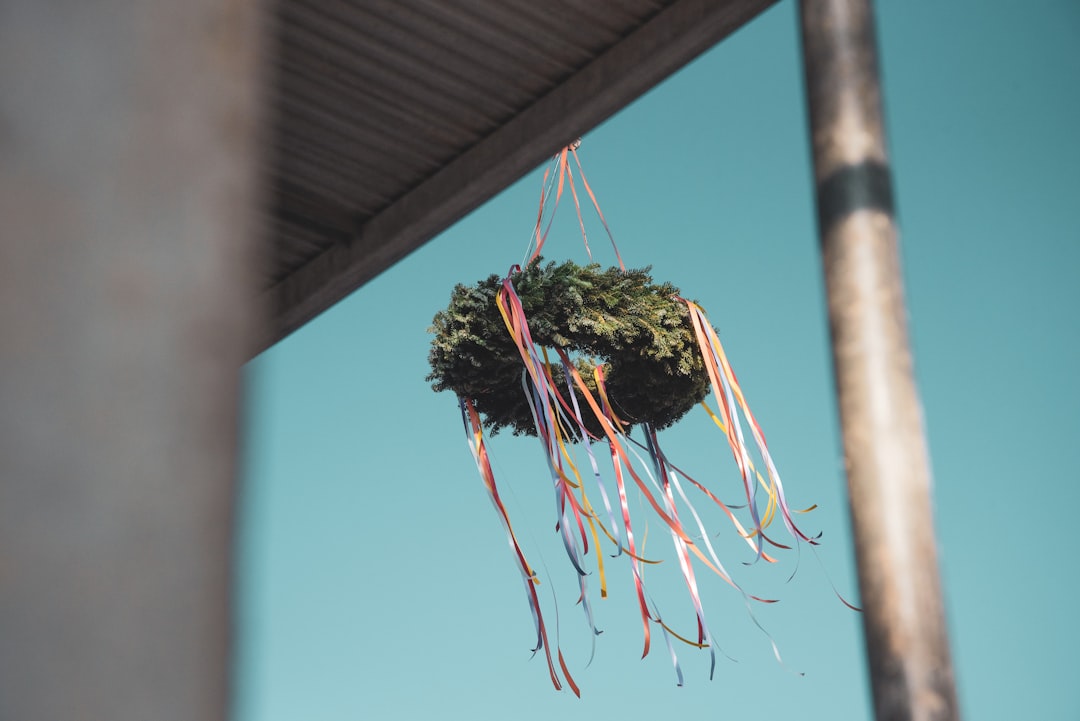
[886, 459]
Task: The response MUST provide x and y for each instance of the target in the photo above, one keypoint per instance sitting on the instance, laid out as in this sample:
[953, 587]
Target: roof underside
[394, 118]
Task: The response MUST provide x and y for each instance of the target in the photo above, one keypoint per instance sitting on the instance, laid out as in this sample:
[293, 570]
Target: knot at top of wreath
[653, 369]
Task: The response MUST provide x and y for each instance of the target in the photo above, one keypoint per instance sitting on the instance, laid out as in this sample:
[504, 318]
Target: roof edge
[663, 45]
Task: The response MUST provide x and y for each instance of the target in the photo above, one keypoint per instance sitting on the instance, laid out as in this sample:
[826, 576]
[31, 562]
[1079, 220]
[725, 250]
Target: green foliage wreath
[654, 372]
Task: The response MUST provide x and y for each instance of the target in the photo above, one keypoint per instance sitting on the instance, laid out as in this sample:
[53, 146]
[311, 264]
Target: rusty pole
[128, 224]
[885, 451]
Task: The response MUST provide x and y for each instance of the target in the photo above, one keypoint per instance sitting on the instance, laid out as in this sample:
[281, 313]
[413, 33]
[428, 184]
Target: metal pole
[127, 216]
[885, 452]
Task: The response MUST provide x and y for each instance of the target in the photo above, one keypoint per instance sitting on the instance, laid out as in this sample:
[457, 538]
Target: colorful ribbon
[559, 417]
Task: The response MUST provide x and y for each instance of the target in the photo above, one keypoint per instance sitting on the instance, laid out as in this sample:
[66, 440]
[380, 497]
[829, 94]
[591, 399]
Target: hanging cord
[557, 176]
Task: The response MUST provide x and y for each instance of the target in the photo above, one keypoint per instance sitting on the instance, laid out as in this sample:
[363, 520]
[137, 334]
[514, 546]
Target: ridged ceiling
[375, 101]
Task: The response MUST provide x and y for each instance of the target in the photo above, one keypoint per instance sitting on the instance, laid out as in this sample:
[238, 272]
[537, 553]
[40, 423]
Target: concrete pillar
[127, 238]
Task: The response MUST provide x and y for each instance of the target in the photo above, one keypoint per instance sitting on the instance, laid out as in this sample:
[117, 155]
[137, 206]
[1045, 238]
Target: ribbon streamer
[564, 411]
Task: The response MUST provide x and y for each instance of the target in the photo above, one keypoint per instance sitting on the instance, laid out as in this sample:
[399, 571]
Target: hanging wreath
[572, 353]
[637, 329]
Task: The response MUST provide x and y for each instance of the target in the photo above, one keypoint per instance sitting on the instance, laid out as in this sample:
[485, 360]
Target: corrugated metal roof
[383, 109]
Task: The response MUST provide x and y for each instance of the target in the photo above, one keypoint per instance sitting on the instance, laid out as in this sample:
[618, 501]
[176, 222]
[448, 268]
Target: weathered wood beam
[674, 37]
[885, 453]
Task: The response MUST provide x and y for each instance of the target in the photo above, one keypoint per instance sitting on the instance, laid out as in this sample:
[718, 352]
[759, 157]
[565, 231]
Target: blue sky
[374, 580]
